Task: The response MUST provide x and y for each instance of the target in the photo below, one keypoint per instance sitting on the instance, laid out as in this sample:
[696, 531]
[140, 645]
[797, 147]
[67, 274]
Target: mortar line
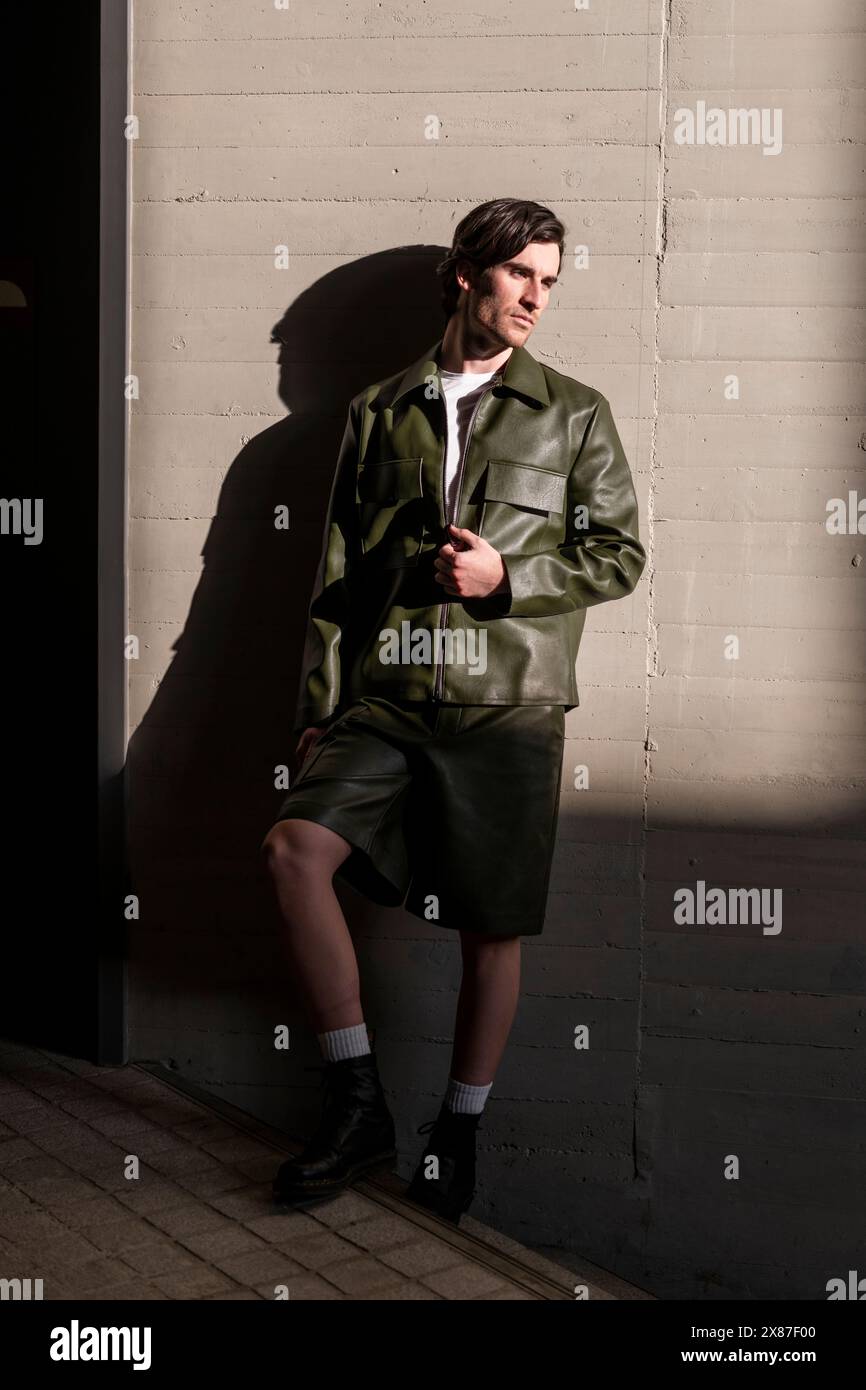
[660, 243]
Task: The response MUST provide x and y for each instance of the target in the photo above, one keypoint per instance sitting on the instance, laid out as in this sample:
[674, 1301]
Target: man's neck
[459, 353]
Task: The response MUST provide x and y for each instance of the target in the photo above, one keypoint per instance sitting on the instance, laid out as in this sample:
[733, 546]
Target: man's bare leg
[302, 858]
[486, 1006]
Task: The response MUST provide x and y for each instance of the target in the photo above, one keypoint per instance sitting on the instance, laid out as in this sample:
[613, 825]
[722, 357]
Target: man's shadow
[201, 763]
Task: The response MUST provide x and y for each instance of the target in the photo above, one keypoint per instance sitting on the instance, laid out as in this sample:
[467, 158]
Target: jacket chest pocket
[391, 511]
[522, 505]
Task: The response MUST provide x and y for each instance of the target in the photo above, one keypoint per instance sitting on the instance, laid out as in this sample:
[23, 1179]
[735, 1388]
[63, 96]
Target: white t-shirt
[462, 390]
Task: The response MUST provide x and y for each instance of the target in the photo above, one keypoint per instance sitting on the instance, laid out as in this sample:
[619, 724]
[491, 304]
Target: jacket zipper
[444, 607]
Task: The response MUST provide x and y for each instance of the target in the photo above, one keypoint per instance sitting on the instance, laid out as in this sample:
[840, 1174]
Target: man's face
[505, 301]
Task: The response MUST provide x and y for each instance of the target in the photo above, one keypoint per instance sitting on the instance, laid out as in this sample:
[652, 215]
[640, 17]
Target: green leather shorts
[454, 805]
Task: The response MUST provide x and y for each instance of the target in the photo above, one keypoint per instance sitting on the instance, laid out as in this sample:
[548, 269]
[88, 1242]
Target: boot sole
[323, 1188]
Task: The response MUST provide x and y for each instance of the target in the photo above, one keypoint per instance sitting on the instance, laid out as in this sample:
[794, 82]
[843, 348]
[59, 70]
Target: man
[481, 503]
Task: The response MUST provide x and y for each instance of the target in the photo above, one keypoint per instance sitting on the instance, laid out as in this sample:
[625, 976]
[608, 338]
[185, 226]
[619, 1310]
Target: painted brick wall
[721, 722]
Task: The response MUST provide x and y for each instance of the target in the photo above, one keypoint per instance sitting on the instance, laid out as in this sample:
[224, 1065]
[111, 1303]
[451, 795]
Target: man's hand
[309, 738]
[468, 567]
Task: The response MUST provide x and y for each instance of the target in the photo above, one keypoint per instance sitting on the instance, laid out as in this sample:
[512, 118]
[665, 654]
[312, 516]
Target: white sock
[344, 1042]
[466, 1100]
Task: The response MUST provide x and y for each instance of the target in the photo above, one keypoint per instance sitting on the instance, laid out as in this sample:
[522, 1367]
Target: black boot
[453, 1142]
[356, 1132]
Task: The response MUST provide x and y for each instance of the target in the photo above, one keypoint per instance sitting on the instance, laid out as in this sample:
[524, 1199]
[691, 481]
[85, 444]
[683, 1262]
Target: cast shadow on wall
[200, 764]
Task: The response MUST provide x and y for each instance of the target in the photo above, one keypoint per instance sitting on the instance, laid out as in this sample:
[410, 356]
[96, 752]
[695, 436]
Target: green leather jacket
[544, 479]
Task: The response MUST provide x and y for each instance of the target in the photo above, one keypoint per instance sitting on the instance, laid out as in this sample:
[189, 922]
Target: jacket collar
[521, 373]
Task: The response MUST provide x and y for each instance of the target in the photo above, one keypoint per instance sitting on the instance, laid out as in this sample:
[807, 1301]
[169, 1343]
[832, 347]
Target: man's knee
[303, 849]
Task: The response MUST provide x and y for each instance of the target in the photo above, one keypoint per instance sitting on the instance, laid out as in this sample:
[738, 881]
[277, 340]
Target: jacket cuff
[527, 594]
[499, 604]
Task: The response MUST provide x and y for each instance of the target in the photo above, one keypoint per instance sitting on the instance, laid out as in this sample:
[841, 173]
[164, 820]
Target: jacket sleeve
[599, 560]
[329, 609]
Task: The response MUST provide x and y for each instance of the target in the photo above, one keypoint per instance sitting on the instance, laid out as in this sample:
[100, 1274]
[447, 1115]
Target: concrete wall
[709, 1141]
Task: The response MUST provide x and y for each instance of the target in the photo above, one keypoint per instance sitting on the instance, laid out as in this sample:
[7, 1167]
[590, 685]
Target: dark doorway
[62, 334]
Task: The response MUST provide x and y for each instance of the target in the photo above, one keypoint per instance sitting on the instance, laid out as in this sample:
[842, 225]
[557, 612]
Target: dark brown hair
[492, 233]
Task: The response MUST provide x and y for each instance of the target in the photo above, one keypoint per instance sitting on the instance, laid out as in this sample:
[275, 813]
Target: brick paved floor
[199, 1221]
